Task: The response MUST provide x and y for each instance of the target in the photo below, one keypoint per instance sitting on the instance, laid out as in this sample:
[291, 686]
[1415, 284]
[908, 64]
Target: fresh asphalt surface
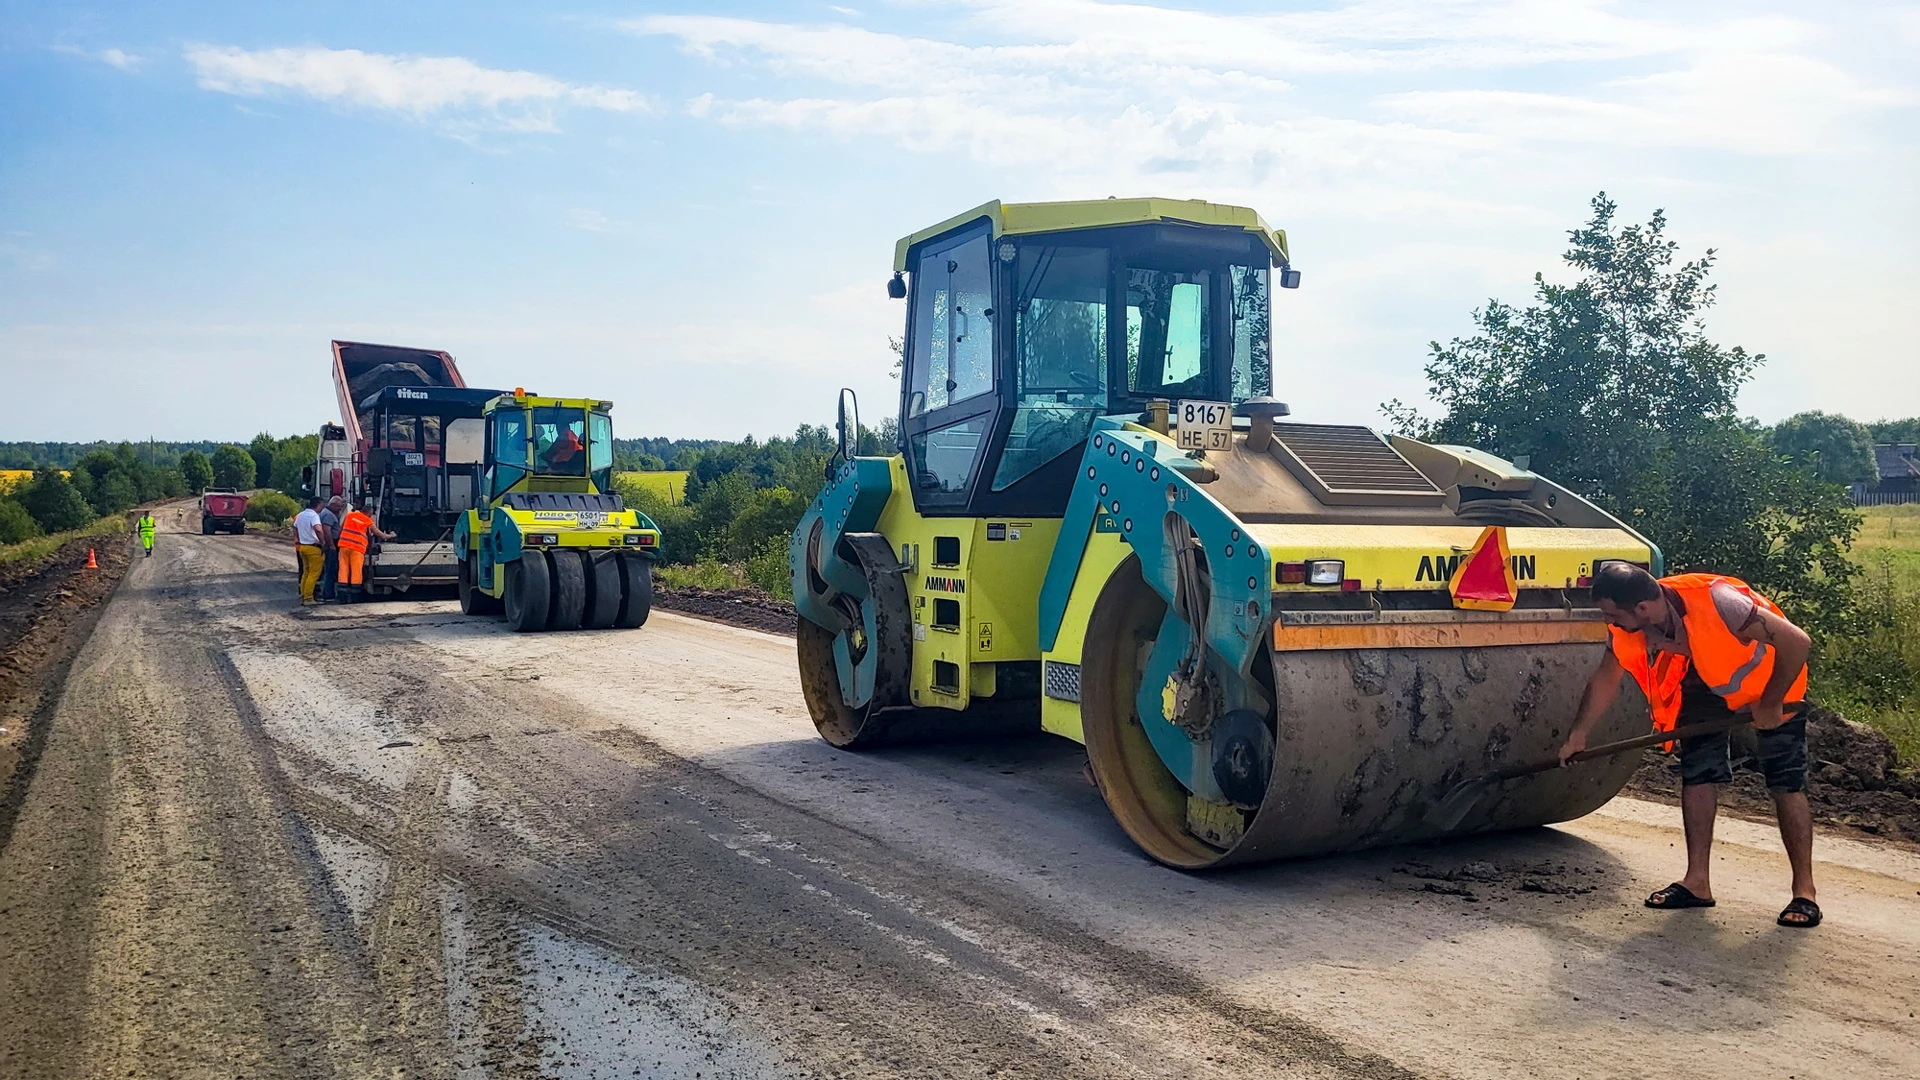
[389, 841]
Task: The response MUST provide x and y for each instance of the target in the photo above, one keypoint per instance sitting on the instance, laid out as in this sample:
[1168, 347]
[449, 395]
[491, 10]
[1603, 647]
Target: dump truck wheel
[636, 590]
[569, 590]
[529, 592]
[206, 527]
[472, 600]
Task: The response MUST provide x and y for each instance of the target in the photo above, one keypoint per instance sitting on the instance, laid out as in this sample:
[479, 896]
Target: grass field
[1888, 550]
[1891, 533]
[672, 485]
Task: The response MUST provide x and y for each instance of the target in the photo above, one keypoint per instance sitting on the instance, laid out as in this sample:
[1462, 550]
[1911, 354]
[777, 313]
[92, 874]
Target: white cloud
[589, 220]
[123, 60]
[420, 86]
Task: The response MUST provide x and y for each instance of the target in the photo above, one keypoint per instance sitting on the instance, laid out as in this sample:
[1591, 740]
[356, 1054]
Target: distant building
[1897, 476]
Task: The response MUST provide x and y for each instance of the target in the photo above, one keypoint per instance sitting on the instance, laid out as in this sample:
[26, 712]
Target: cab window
[559, 441]
[509, 449]
[1252, 343]
[1060, 351]
[1169, 346]
[600, 450]
[951, 340]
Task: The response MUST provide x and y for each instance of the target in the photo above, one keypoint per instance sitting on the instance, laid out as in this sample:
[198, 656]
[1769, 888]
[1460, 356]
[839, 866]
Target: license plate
[1203, 425]
[592, 519]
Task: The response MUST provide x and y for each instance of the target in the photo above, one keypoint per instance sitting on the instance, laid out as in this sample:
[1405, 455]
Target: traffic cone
[92, 563]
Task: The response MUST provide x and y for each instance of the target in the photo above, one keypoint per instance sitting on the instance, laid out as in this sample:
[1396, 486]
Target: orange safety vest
[1736, 670]
[353, 531]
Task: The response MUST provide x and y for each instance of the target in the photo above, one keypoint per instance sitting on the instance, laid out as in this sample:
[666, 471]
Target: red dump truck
[222, 510]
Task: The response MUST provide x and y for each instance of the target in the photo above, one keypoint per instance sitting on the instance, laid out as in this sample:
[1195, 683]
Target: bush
[271, 508]
[766, 517]
[768, 570]
[675, 522]
[55, 504]
[15, 523]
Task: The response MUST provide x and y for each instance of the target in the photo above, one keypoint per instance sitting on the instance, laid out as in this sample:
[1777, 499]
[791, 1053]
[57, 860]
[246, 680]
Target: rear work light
[1326, 571]
[542, 539]
[639, 540]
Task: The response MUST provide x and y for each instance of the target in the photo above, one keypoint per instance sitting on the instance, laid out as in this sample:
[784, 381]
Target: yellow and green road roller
[1274, 638]
[548, 542]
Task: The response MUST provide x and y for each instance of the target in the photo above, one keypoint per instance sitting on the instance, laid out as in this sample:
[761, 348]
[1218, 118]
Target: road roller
[1274, 638]
[544, 539]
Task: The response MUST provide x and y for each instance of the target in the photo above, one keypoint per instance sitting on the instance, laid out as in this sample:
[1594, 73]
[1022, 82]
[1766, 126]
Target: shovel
[1452, 809]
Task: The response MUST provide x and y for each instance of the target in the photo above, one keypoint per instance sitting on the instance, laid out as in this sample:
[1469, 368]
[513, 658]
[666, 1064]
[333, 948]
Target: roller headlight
[1326, 571]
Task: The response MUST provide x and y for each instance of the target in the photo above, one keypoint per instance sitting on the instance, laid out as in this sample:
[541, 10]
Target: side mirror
[848, 424]
[897, 286]
[1289, 278]
[306, 479]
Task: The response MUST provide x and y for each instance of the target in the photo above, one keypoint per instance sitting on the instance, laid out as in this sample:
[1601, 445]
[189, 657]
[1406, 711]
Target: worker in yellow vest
[355, 529]
[1702, 646]
[147, 527]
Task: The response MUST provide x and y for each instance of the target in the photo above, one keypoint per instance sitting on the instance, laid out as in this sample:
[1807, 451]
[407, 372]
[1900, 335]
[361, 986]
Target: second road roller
[1274, 638]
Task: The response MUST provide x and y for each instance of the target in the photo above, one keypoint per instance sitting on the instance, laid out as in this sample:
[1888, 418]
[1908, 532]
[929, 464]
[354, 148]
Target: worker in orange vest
[1702, 646]
[355, 528]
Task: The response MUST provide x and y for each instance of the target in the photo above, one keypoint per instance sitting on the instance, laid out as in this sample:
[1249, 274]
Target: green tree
[54, 504]
[261, 450]
[1884, 432]
[1838, 450]
[15, 523]
[1610, 386]
[290, 456]
[233, 468]
[196, 471]
[113, 494]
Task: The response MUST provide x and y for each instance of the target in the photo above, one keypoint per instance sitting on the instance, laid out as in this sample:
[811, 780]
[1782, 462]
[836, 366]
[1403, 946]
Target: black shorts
[1708, 759]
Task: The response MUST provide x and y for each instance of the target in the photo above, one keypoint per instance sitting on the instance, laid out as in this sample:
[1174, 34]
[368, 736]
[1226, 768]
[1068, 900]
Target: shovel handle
[1638, 742]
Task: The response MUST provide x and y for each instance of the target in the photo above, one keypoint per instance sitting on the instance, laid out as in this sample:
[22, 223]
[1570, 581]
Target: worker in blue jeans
[330, 547]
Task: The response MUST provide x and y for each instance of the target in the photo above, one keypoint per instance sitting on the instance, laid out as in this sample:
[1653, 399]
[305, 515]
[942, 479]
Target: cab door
[948, 408]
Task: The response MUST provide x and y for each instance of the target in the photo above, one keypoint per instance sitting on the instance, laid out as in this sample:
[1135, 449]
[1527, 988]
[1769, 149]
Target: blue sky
[690, 208]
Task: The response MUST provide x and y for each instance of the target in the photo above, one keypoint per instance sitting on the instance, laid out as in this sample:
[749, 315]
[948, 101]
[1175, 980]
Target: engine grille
[1351, 464]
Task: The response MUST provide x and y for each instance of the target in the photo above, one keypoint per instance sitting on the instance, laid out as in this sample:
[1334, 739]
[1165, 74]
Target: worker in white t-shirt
[309, 542]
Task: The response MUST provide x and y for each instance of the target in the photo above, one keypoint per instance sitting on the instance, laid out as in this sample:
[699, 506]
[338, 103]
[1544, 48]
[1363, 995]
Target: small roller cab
[548, 541]
[1274, 638]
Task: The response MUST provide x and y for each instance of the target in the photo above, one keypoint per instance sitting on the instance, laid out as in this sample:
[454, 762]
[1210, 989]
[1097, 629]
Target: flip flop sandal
[1677, 895]
[1807, 910]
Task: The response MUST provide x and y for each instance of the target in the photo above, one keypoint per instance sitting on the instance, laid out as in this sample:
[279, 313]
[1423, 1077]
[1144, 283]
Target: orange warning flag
[1484, 579]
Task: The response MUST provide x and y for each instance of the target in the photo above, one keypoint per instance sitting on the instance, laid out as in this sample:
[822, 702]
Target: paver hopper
[1274, 639]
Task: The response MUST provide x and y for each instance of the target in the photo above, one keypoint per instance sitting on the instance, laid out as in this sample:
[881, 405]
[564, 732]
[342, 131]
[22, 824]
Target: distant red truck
[222, 510]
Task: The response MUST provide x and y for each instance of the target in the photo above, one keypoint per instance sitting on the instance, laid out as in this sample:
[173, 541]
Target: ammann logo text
[946, 584]
[1441, 567]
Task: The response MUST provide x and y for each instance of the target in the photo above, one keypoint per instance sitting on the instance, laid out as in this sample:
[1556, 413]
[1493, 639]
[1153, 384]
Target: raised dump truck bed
[361, 369]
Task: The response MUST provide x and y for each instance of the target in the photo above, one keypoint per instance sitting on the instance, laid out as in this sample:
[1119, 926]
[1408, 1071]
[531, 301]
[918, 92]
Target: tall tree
[262, 448]
[1611, 386]
[233, 468]
[196, 471]
[1838, 450]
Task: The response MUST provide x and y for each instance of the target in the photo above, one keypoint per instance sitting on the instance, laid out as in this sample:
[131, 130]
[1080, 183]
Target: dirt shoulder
[47, 609]
[1856, 785]
[735, 607]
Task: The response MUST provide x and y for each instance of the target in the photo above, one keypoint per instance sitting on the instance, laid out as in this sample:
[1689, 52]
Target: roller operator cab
[548, 542]
[1274, 638]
